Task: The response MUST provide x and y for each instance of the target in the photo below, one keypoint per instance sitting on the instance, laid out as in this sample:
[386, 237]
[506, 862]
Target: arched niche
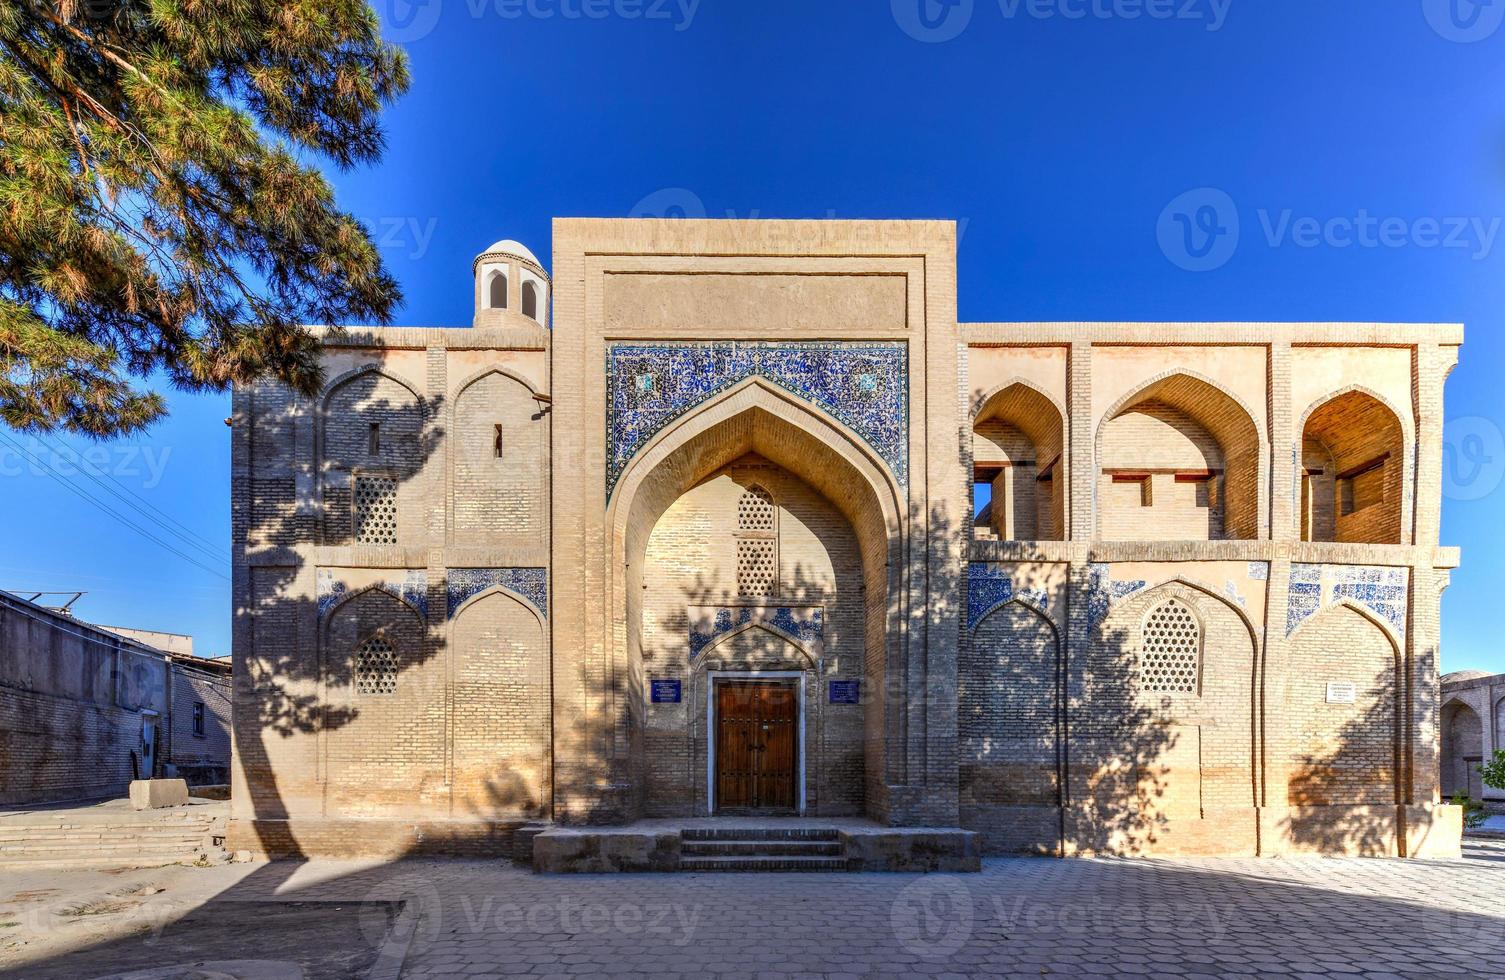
[502, 714]
[1180, 459]
[1353, 471]
[1018, 465]
[784, 443]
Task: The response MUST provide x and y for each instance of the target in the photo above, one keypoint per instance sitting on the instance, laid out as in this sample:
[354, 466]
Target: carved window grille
[375, 503]
[1170, 661]
[376, 668]
[757, 544]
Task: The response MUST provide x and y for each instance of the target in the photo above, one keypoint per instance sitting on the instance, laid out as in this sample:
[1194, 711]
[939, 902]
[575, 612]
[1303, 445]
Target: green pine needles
[157, 208]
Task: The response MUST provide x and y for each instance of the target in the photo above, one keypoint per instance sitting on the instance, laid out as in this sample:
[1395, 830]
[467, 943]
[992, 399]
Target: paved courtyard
[1025, 917]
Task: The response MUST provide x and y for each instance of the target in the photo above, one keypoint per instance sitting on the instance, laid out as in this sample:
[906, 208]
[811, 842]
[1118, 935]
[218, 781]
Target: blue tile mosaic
[1103, 592]
[412, 588]
[1384, 591]
[806, 623]
[1259, 571]
[865, 386]
[990, 586]
[530, 583]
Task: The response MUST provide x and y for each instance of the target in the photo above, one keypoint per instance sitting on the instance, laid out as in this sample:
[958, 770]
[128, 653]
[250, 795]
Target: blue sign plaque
[845, 692]
[664, 692]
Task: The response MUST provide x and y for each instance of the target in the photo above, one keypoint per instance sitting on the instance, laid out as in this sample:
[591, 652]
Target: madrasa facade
[733, 521]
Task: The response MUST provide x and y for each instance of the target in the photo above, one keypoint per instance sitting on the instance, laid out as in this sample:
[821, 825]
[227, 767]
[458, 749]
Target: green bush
[1473, 811]
[1493, 771]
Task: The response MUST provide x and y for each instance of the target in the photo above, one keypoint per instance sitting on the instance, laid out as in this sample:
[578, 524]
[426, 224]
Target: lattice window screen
[1172, 650]
[757, 543]
[755, 511]
[757, 566]
[376, 668]
[375, 502]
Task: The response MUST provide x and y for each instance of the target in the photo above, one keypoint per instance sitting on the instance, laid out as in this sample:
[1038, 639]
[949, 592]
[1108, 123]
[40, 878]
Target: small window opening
[496, 297]
[530, 300]
[496, 441]
[373, 438]
[198, 718]
[1146, 490]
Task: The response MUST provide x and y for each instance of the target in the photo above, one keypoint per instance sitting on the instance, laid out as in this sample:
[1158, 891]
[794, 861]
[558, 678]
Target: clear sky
[1057, 133]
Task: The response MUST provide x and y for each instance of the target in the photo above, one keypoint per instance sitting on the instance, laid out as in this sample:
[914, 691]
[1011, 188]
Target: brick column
[1276, 740]
[1081, 446]
[1285, 448]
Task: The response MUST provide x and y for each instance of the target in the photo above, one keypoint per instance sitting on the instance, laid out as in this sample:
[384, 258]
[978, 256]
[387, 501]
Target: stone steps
[763, 863]
[123, 843]
[761, 849]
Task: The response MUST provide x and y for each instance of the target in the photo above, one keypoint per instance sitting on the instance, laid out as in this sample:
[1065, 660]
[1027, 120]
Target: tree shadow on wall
[286, 665]
[1057, 755]
[1350, 793]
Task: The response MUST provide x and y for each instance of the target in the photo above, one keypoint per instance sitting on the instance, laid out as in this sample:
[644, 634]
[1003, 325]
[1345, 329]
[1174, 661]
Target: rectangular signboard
[845, 692]
[664, 691]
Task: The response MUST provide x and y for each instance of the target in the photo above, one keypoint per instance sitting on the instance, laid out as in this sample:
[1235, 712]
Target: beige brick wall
[1042, 742]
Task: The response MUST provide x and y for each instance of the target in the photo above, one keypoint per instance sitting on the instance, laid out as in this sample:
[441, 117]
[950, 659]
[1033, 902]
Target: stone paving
[1024, 917]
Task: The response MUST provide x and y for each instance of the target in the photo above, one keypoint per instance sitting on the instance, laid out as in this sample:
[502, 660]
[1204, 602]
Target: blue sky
[1056, 132]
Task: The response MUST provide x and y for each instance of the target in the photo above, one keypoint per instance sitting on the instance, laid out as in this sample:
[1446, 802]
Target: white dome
[512, 247]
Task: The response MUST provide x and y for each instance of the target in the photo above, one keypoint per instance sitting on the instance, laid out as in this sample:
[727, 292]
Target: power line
[166, 522]
[26, 453]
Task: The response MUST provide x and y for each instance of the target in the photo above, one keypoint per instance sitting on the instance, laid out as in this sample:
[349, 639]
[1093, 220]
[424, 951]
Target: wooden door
[756, 761]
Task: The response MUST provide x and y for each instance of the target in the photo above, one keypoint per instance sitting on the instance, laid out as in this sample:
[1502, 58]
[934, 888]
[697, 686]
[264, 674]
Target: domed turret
[512, 287]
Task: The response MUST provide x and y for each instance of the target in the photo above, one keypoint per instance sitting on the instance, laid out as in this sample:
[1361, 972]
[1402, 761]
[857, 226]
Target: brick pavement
[1020, 917]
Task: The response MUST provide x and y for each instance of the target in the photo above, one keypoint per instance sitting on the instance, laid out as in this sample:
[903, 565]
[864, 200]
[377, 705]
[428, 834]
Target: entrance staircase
[761, 849]
[112, 836]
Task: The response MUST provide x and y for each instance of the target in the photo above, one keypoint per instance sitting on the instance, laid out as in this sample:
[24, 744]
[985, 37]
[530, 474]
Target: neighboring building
[709, 546]
[198, 746]
[174, 643]
[1473, 729]
[84, 710]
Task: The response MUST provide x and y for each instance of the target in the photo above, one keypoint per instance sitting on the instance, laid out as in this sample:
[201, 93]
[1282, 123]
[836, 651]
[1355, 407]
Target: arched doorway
[1462, 751]
[759, 511]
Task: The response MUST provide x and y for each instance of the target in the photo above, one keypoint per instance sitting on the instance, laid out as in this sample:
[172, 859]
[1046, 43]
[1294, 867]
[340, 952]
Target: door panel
[756, 745]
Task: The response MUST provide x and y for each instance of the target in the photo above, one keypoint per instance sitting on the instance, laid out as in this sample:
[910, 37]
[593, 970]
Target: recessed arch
[530, 299]
[501, 590]
[707, 655]
[346, 377]
[496, 290]
[1353, 464]
[1018, 457]
[345, 600]
[1181, 458]
[712, 454]
[483, 373]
